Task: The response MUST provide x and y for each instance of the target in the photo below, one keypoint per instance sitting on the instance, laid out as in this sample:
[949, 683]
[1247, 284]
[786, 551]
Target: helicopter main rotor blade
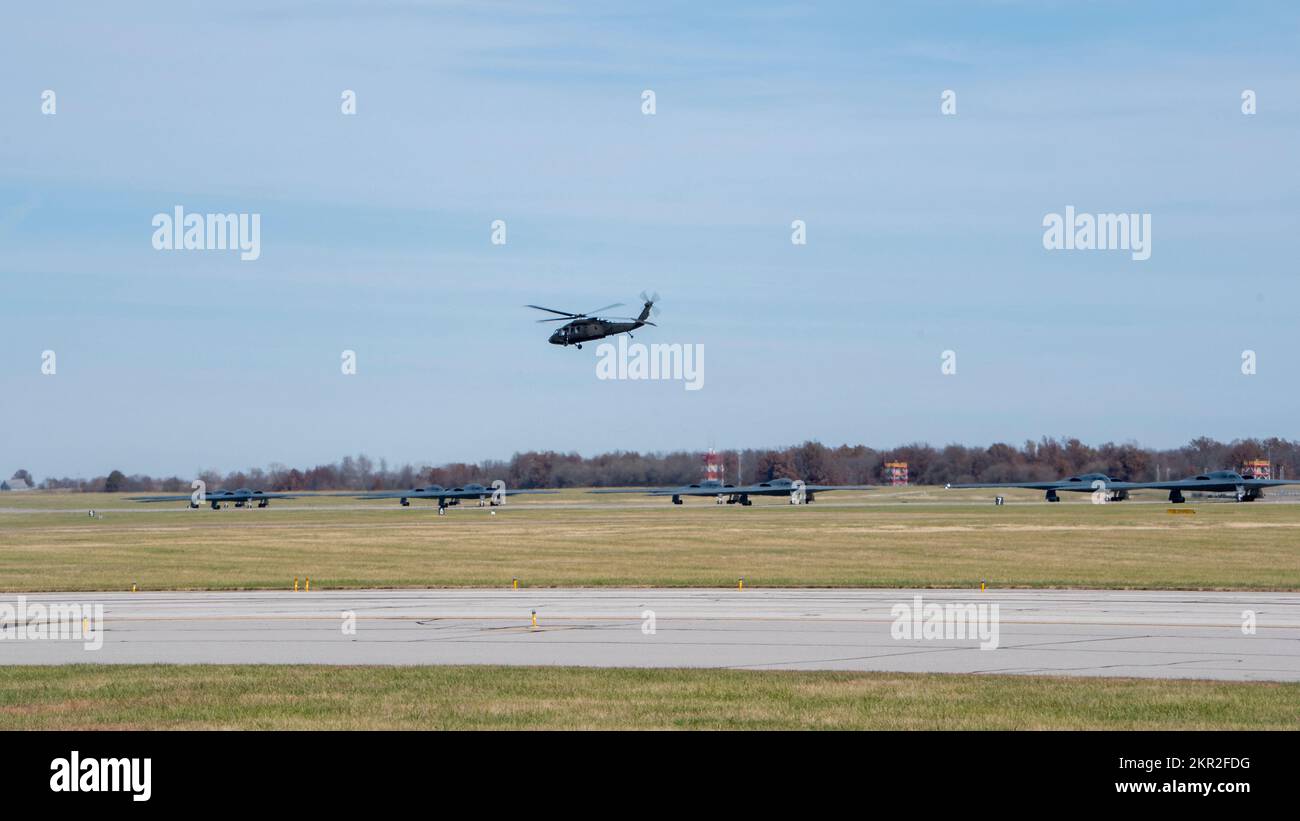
[553, 311]
[606, 308]
[557, 319]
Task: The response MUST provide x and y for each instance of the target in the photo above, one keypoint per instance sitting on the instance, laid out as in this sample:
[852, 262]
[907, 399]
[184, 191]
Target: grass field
[296, 697]
[923, 537]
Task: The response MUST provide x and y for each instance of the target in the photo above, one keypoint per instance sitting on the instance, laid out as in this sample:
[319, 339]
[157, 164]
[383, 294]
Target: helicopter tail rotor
[650, 309]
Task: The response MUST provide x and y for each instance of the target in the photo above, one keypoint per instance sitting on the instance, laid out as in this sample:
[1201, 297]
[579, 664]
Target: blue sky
[924, 230]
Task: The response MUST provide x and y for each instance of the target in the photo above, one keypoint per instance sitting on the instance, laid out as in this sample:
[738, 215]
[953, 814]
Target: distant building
[15, 484]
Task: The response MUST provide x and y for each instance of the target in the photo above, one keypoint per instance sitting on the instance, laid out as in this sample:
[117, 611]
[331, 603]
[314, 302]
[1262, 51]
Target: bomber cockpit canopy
[1219, 475]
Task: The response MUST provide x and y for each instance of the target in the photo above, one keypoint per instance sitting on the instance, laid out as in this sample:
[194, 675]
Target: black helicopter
[586, 327]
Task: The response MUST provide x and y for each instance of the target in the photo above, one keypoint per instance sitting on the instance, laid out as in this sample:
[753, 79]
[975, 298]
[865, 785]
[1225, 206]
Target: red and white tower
[897, 473]
[1257, 469]
[713, 469]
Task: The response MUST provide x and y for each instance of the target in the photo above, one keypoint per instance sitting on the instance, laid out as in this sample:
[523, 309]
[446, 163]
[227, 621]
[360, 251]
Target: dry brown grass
[306, 697]
[921, 537]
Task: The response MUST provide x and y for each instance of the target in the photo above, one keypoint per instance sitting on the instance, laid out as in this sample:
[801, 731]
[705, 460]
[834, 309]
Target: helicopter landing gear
[579, 346]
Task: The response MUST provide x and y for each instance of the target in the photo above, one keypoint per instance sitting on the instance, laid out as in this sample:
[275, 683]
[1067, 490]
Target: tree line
[813, 462]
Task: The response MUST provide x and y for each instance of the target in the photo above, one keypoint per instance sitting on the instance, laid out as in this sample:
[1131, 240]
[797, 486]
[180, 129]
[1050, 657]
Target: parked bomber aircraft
[798, 492]
[448, 496]
[587, 327]
[243, 497]
[1084, 483]
[1217, 481]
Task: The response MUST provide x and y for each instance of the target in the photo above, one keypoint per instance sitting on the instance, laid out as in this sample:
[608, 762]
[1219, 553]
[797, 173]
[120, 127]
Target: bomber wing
[443, 493]
[187, 497]
[1026, 485]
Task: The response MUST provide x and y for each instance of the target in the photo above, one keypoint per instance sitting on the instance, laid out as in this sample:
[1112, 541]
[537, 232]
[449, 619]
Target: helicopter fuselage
[586, 330]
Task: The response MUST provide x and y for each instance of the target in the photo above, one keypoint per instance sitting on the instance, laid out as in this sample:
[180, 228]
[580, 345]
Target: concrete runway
[1085, 633]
